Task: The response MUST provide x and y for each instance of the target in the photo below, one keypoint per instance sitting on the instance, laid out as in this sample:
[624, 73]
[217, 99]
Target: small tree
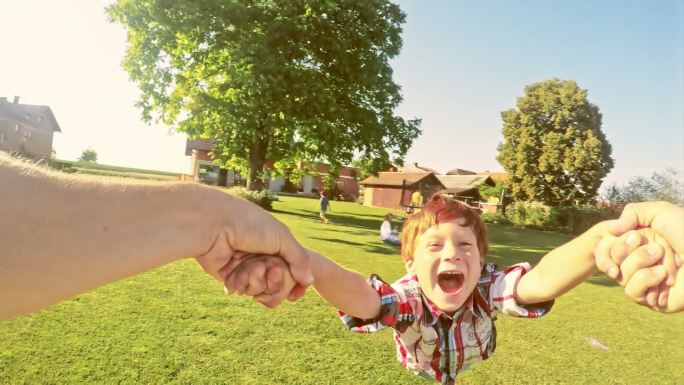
[665, 186]
[88, 155]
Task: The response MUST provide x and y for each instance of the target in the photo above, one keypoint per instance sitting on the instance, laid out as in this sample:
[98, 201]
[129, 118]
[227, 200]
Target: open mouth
[451, 282]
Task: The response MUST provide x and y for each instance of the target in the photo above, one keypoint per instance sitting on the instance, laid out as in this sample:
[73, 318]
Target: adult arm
[62, 235]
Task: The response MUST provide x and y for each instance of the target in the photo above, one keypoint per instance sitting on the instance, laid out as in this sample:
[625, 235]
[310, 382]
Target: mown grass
[173, 325]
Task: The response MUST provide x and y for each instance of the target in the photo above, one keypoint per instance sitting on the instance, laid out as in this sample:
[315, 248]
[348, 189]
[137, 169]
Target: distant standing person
[386, 234]
[324, 205]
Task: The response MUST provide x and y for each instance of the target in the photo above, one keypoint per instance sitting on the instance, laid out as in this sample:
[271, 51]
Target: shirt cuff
[389, 305]
[503, 294]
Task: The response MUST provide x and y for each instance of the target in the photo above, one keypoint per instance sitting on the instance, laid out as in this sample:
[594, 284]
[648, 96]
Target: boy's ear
[409, 266]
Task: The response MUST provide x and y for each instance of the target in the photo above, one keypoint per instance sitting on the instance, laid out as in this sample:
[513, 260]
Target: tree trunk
[257, 159]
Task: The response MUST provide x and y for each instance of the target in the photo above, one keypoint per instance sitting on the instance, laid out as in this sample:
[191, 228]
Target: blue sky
[461, 65]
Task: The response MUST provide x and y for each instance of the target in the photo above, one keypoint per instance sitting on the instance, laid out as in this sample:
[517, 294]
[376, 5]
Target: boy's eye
[434, 245]
[465, 243]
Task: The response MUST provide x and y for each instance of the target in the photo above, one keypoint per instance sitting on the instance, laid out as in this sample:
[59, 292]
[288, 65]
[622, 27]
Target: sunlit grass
[173, 325]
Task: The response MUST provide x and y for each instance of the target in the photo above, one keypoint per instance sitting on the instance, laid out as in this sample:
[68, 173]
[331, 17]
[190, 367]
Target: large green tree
[284, 80]
[554, 150]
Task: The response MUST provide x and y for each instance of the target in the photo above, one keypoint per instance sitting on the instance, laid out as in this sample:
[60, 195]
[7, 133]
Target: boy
[324, 206]
[442, 311]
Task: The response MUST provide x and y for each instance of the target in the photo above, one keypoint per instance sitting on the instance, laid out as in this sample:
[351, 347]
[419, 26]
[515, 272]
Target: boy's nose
[450, 253]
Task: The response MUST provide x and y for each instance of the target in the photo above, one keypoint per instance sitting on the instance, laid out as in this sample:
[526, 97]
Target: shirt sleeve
[395, 310]
[502, 294]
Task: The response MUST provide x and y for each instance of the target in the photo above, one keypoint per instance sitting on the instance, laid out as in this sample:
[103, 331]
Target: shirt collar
[476, 304]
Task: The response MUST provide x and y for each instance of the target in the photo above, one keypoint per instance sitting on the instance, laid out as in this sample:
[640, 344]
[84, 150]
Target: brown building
[399, 190]
[205, 170]
[26, 129]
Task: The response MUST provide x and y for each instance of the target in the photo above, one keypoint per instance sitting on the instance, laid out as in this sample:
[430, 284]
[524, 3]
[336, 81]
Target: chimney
[415, 164]
[16, 100]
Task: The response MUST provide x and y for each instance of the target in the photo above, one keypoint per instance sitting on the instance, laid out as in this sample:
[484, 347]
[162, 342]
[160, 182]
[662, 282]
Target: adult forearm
[560, 270]
[344, 289]
[65, 235]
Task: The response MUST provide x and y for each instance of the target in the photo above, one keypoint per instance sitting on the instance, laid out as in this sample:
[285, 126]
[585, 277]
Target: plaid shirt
[435, 344]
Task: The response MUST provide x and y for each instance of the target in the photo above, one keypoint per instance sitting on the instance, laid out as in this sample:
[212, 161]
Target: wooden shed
[395, 190]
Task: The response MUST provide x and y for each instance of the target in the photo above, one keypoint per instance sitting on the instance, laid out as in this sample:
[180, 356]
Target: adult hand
[646, 286]
[666, 219]
[248, 228]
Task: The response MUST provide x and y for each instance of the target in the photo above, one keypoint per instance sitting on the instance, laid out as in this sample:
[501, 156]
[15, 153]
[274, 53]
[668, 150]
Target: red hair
[440, 209]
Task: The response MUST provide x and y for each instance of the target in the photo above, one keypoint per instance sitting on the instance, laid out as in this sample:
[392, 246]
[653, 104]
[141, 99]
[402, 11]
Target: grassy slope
[173, 325]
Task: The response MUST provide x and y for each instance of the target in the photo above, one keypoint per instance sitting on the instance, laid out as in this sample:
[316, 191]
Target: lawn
[173, 325]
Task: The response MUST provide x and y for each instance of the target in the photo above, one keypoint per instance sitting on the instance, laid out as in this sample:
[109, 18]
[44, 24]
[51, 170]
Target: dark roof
[460, 171]
[416, 168]
[497, 176]
[397, 178]
[40, 117]
[199, 144]
[459, 183]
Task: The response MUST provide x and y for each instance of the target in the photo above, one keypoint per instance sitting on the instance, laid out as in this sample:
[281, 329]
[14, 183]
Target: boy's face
[446, 261]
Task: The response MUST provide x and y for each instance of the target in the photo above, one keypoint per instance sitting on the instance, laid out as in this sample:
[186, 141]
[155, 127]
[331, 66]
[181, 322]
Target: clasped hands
[642, 251]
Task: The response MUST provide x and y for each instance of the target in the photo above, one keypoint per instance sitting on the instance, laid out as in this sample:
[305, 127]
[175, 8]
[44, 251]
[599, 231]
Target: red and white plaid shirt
[435, 344]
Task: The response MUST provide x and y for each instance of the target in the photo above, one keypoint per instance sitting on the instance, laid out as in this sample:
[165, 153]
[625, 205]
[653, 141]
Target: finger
[617, 227]
[663, 296]
[240, 281]
[625, 245]
[257, 283]
[274, 279]
[652, 296]
[297, 258]
[602, 258]
[297, 292]
[642, 280]
[643, 257]
[271, 301]
[669, 264]
[229, 268]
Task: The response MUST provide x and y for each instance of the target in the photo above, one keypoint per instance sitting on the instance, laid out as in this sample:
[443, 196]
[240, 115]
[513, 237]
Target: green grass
[93, 168]
[173, 325]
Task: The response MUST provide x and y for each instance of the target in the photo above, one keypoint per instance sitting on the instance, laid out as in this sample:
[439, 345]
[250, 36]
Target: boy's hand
[264, 277]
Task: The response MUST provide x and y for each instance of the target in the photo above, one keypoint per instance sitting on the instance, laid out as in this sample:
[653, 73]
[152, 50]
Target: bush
[529, 214]
[574, 220]
[262, 198]
[496, 217]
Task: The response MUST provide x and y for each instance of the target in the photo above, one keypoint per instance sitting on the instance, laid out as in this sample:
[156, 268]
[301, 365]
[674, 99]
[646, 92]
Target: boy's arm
[346, 290]
[563, 268]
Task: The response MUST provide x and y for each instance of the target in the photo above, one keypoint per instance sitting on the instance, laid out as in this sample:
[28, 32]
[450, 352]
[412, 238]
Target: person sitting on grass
[443, 310]
[387, 235]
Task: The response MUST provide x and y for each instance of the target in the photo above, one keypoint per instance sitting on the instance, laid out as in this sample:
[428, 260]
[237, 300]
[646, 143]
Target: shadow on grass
[370, 248]
[362, 222]
[601, 280]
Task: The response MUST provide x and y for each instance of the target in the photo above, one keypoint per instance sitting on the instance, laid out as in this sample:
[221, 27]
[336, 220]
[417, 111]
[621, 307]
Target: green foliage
[487, 191]
[496, 218]
[263, 198]
[665, 186]
[88, 155]
[570, 219]
[554, 150]
[174, 325]
[281, 80]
